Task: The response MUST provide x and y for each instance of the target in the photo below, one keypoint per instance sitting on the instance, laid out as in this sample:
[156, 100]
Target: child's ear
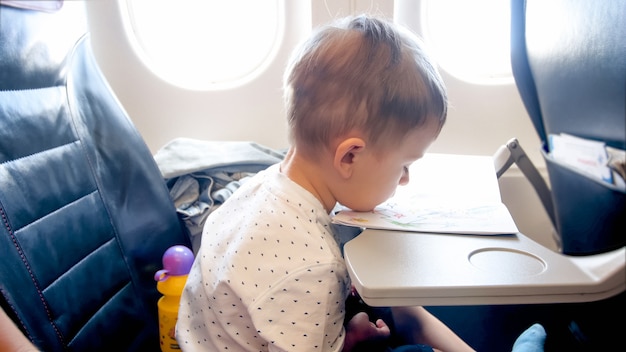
[346, 154]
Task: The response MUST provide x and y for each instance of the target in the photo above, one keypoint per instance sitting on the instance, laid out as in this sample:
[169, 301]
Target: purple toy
[177, 260]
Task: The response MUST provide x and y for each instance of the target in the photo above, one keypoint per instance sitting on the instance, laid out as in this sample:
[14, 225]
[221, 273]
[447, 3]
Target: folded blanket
[201, 175]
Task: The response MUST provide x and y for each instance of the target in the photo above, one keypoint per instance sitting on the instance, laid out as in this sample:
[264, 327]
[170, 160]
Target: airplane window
[205, 44]
[470, 39]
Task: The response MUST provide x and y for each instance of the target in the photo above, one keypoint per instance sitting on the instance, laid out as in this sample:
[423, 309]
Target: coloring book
[447, 193]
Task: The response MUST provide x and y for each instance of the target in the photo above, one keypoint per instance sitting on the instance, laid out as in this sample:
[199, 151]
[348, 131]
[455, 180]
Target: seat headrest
[36, 40]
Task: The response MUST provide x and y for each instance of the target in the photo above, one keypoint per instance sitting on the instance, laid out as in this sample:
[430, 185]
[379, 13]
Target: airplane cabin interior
[87, 206]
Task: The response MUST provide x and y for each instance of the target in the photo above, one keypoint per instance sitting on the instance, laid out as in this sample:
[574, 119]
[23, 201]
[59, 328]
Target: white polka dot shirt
[269, 275]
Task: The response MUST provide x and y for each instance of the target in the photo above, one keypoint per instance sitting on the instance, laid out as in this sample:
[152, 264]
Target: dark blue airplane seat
[86, 215]
[569, 64]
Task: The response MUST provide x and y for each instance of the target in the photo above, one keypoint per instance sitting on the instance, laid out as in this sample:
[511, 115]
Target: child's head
[364, 76]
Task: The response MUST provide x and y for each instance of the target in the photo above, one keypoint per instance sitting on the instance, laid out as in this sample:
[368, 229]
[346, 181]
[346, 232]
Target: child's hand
[360, 329]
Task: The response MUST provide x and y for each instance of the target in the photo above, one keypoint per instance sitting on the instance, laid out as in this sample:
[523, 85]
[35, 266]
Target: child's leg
[418, 326]
[412, 348]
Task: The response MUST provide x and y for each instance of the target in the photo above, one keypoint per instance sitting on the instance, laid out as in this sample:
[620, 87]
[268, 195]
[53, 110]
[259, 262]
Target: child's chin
[364, 210]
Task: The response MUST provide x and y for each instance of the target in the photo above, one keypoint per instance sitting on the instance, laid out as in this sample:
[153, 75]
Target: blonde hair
[360, 74]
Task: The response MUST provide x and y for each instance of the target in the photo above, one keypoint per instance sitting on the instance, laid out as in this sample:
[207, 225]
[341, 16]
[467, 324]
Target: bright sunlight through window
[470, 39]
[205, 44]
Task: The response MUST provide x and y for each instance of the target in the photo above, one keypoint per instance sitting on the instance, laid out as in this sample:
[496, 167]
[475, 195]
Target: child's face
[376, 177]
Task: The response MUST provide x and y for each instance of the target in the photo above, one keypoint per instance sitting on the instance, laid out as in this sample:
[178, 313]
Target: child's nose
[404, 180]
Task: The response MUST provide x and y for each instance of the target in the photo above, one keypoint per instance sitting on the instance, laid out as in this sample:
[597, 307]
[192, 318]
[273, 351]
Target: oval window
[470, 39]
[205, 44]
